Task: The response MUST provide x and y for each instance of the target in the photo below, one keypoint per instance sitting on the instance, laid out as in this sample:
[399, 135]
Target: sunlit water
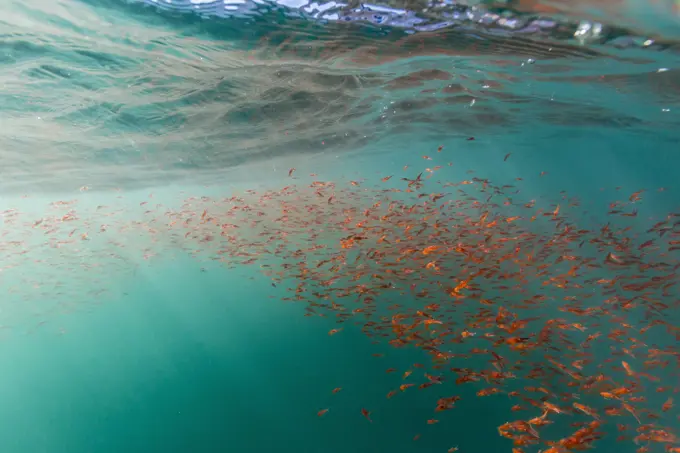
[120, 334]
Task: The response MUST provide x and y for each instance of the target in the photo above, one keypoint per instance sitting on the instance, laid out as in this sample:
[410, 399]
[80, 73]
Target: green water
[126, 341]
[181, 359]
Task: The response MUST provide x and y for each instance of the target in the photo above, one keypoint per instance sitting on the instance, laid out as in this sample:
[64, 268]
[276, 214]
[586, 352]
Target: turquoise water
[123, 331]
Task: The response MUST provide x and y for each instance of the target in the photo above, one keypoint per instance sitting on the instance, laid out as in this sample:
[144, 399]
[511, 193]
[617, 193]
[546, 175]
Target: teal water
[119, 333]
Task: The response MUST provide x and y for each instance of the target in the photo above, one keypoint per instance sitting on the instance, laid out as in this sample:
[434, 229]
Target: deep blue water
[116, 335]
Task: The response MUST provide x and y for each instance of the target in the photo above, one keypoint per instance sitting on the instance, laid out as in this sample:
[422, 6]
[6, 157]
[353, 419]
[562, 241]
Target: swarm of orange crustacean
[525, 299]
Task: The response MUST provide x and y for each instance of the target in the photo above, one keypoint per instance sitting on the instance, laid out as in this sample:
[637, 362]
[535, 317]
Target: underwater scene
[413, 226]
